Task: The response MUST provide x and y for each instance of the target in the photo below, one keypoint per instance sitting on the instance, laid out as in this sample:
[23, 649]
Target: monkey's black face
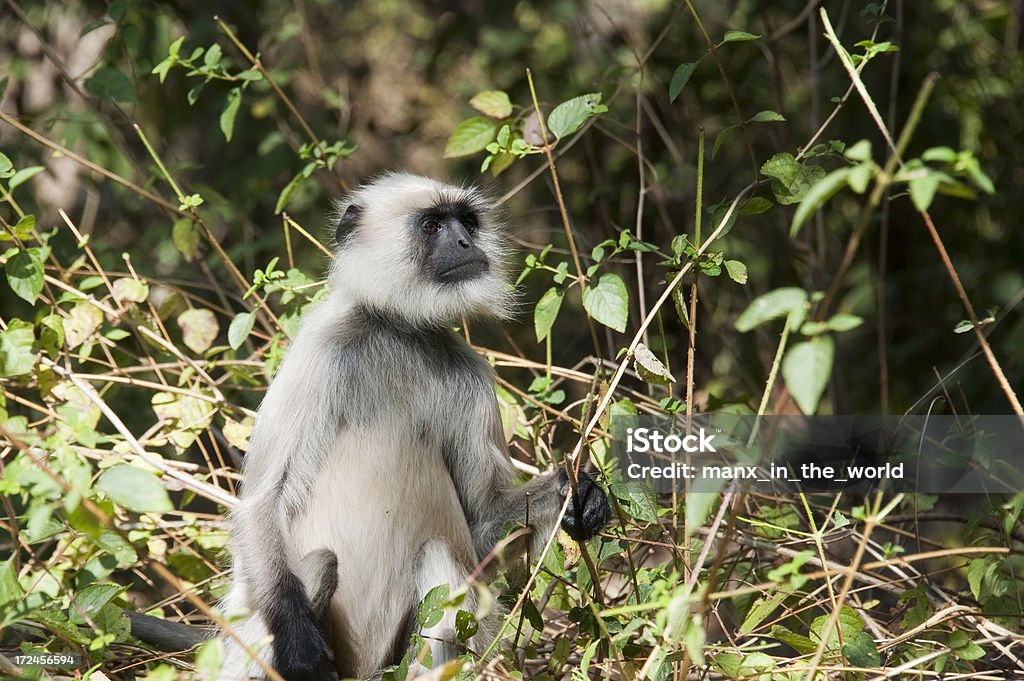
[448, 237]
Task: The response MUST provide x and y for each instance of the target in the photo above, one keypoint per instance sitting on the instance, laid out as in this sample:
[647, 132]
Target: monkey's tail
[167, 636]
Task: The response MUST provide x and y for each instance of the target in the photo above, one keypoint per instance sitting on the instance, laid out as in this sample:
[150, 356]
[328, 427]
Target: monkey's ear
[347, 223]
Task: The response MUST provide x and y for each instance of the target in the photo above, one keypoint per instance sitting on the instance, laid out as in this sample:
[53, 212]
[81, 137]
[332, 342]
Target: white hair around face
[395, 233]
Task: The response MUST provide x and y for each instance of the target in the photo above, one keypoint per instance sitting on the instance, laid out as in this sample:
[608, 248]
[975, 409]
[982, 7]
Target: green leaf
[130, 289]
[940, 154]
[756, 206]
[650, 367]
[768, 306]
[806, 369]
[843, 322]
[720, 139]
[90, 600]
[797, 642]
[6, 167]
[736, 270]
[922, 190]
[83, 320]
[792, 179]
[569, 116]
[469, 137]
[185, 236]
[861, 151]
[862, 651]
[738, 36]
[493, 103]
[607, 301]
[135, 489]
[24, 175]
[679, 79]
[227, 116]
[767, 117]
[431, 609]
[25, 274]
[199, 329]
[109, 83]
[240, 328]
[16, 354]
[963, 647]
[286, 193]
[636, 499]
[765, 605]
[860, 176]
[817, 196]
[546, 312]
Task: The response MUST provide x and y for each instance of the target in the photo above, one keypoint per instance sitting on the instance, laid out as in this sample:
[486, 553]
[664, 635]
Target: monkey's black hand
[588, 509]
[301, 652]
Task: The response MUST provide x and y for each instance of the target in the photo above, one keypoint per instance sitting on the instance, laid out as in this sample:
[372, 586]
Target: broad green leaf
[569, 116]
[130, 289]
[135, 489]
[817, 196]
[777, 303]
[6, 167]
[16, 354]
[940, 154]
[862, 651]
[227, 116]
[636, 499]
[738, 36]
[765, 605]
[922, 190]
[240, 328]
[756, 206]
[185, 236]
[792, 179]
[963, 647]
[90, 600]
[83, 320]
[493, 103]
[797, 642]
[109, 83]
[210, 658]
[860, 176]
[861, 151]
[720, 139]
[25, 274]
[767, 117]
[24, 175]
[607, 301]
[848, 622]
[679, 79]
[432, 607]
[199, 329]
[650, 367]
[546, 312]
[736, 270]
[806, 369]
[469, 137]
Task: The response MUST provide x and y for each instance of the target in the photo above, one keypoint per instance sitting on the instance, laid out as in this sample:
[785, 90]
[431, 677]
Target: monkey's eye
[470, 223]
[430, 226]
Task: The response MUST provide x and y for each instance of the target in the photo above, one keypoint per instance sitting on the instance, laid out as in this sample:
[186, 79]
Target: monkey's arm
[484, 476]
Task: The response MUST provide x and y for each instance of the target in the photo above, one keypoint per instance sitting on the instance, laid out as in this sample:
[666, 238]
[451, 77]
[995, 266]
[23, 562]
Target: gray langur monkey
[377, 469]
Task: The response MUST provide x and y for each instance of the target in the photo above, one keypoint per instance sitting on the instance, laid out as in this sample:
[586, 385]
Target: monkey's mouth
[464, 271]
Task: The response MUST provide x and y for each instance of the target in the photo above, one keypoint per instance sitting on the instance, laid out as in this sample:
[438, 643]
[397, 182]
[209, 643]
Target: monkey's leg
[436, 565]
[318, 572]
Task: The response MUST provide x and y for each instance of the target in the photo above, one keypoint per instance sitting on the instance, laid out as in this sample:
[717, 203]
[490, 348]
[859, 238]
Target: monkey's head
[422, 250]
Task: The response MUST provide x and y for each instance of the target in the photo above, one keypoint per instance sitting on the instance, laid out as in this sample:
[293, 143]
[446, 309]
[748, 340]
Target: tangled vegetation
[807, 208]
